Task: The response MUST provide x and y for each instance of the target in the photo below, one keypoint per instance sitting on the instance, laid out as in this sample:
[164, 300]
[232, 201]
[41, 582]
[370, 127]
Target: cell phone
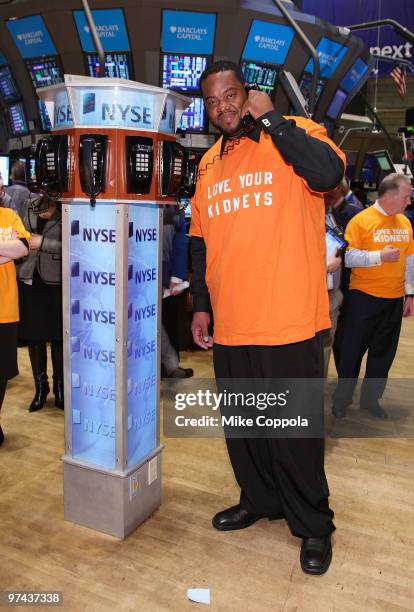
[335, 242]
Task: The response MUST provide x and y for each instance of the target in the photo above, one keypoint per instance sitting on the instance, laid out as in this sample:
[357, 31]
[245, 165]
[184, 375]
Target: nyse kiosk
[113, 161]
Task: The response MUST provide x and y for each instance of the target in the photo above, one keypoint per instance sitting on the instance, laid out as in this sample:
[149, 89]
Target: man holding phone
[258, 251]
[380, 253]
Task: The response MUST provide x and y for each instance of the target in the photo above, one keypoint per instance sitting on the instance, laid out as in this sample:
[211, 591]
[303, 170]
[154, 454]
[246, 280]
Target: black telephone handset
[188, 185]
[92, 150]
[248, 122]
[51, 165]
[139, 156]
[171, 167]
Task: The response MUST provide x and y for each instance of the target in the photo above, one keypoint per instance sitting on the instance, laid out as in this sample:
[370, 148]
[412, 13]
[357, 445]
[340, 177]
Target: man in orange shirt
[13, 244]
[379, 253]
[258, 248]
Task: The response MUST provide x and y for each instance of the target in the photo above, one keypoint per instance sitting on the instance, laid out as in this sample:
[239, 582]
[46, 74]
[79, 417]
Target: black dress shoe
[1, 436]
[339, 412]
[181, 373]
[375, 409]
[237, 517]
[316, 555]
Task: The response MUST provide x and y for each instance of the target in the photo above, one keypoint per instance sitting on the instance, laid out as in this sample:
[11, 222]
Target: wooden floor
[257, 569]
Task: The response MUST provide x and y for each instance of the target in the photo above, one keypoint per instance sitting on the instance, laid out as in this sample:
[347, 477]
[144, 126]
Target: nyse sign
[115, 107]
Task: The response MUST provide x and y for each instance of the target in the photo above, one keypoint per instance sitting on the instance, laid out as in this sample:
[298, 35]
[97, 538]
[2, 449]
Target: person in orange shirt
[379, 253]
[258, 251]
[13, 245]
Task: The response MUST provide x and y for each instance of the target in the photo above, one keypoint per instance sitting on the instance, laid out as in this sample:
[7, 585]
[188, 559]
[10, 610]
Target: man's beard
[230, 133]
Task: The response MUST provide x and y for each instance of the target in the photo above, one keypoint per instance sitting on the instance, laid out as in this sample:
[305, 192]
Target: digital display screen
[259, 74]
[117, 65]
[44, 72]
[384, 161]
[354, 75]
[44, 117]
[17, 119]
[194, 118]
[336, 105]
[8, 87]
[182, 72]
[306, 86]
[5, 169]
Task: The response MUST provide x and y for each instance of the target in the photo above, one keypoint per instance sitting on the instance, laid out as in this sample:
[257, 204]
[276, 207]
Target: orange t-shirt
[9, 307]
[264, 231]
[371, 230]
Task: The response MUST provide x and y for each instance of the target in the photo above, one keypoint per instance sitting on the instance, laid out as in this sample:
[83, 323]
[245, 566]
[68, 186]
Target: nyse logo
[98, 235]
[63, 114]
[127, 113]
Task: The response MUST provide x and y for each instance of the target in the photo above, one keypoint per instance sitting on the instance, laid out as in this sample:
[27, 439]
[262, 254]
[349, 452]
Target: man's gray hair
[392, 182]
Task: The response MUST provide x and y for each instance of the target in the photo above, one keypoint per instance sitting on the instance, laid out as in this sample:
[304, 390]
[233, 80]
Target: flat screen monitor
[5, 169]
[306, 86]
[44, 117]
[182, 72]
[44, 71]
[194, 118]
[17, 119]
[384, 161]
[8, 87]
[337, 104]
[260, 74]
[117, 65]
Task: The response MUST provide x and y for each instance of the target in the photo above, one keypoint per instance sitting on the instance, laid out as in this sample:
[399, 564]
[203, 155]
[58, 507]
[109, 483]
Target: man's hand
[334, 262]
[408, 307]
[389, 254]
[35, 242]
[257, 104]
[199, 329]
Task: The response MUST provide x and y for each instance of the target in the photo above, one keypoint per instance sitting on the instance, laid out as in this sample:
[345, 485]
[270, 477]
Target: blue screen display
[111, 28]
[182, 72]
[44, 72]
[336, 105]
[188, 32]
[8, 87]
[330, 55]
[263, 76]
[268, 42]
[117, 65]
[354, 75]
[17, 119]
[31, 37]
[194, 118]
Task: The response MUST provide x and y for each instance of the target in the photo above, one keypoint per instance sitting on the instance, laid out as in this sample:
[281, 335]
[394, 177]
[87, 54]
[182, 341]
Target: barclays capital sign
[188, 32]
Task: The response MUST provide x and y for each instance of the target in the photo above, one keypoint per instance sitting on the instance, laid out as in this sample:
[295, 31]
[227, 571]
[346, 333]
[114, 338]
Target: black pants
[370, 324]
[280, 476]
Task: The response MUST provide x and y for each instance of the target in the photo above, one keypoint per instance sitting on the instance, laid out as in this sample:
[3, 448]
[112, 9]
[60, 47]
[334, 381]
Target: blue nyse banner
[92, 324]
[31, 37]
[142, 329]
[100, 107]
[330, 55]
[111, 28]
[188, 32]
[354, 75]
[268, 42]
